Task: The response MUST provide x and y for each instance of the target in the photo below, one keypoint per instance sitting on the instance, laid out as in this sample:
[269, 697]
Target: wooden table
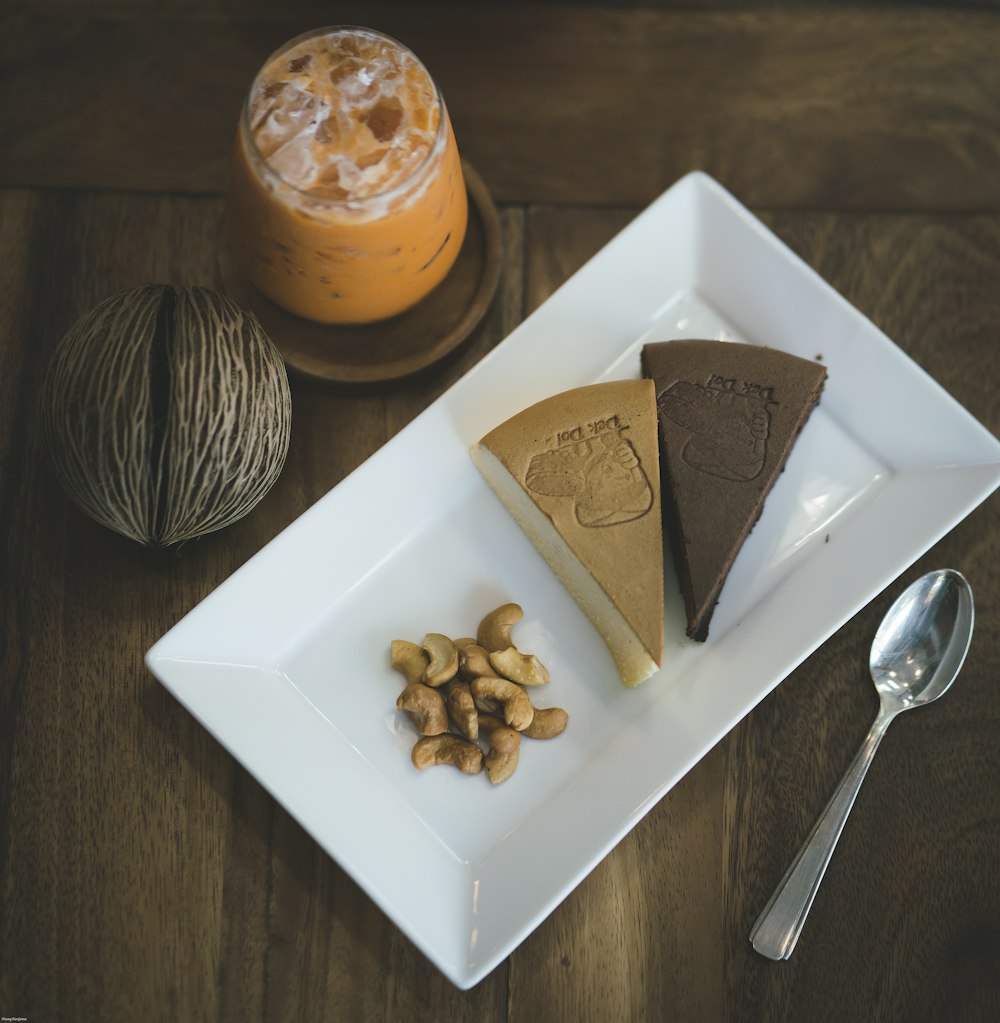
[144, 874]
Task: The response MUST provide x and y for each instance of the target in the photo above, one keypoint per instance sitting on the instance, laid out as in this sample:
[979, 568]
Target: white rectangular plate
[287, 662]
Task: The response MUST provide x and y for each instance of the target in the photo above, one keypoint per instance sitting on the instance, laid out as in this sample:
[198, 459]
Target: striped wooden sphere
[167, 413]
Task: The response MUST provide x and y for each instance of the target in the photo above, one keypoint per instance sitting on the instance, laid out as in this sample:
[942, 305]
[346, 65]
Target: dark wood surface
[144, 874]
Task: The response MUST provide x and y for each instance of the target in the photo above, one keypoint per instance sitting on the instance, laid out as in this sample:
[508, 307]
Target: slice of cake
[579, 472]
[729, 414]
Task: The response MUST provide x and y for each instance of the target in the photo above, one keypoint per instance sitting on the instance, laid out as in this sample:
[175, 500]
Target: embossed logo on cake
[598, 469]
[729, 424]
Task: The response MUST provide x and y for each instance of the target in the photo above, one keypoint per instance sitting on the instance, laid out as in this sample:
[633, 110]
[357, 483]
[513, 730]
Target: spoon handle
[778, 927]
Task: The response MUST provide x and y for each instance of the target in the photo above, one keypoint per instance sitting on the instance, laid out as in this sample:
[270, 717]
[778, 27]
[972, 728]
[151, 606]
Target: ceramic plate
[287, 663]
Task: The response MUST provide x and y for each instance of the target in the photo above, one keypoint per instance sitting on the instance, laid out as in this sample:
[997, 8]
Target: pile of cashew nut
[465, 690]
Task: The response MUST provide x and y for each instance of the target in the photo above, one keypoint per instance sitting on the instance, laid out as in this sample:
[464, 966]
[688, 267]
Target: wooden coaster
[400, 346]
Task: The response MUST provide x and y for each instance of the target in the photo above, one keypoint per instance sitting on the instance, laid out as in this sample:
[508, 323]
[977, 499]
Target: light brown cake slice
[579, 472]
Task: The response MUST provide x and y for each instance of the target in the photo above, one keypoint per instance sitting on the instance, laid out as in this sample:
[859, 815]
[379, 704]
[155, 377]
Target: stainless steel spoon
[918, 650]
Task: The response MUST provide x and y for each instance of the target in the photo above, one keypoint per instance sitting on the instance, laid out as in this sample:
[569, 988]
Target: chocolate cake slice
[579, 473]
[728, 416]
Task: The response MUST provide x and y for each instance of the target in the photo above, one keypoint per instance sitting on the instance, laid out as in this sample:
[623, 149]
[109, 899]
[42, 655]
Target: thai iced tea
[346, 201]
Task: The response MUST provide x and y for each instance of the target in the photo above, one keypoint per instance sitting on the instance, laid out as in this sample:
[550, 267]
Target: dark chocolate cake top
[729, 415]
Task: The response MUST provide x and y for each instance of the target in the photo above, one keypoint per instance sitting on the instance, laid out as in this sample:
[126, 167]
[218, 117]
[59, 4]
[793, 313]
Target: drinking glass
[346, 201]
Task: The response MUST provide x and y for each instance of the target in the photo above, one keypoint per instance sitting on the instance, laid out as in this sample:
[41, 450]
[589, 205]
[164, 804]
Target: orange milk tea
[346, 202]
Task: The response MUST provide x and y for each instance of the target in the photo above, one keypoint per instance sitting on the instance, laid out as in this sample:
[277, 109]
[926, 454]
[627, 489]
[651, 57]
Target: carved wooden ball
[167, 413]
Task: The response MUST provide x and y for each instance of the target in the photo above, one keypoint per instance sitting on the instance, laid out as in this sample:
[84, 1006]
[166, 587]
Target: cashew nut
[517, 709]
[524, 668]
[462, 709]
[473, 661]
[547, 723]
[485, 704]
[447, 749]
[505, 747]
[494, 629]
[409, 659]
[426, 707]
[443, 659]
[461, 644]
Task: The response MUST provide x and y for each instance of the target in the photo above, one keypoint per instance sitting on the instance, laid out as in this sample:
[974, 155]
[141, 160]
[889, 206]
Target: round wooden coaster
[405, 344]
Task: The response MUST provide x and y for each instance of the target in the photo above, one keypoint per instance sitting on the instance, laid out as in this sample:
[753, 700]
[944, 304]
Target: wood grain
[157, 856]
[153, 878]
[823, 108]
[144, 874]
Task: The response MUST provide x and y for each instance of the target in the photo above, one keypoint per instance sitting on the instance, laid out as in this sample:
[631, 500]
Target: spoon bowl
[918, 650]
[921, 644]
